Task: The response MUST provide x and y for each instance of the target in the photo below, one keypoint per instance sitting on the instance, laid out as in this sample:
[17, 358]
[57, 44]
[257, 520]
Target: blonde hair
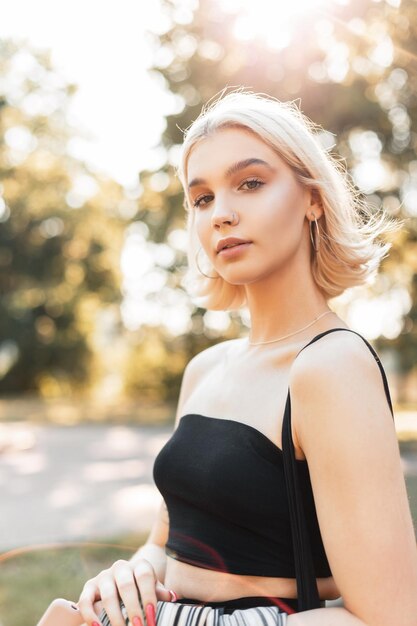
[348, 255]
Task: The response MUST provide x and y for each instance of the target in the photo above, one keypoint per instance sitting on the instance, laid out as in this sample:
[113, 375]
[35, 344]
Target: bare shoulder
[197, 367]
[336, 354]
[202, 361]
[337, 370]
[211, 354]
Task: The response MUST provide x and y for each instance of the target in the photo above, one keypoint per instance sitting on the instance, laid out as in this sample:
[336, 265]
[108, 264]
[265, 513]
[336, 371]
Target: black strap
[307, 591]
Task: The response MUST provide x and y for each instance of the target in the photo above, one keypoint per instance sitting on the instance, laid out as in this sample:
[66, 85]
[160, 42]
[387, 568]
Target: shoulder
[203, 360]
[338, 351]
[336, 383]
[198, 366]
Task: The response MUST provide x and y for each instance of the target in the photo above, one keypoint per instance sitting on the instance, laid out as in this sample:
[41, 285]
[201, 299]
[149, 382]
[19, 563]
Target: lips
[234, 251]
[229, 242]
[232, 245]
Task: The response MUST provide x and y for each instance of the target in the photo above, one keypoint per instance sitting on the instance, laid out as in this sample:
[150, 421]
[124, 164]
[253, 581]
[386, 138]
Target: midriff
[189, 581]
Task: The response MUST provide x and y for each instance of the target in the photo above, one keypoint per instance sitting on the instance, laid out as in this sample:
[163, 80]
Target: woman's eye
[250, 181]
[197, 202]
[253, 180]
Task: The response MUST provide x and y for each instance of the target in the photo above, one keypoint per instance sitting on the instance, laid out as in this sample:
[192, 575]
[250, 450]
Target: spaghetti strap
[377, 359]
[307, 591]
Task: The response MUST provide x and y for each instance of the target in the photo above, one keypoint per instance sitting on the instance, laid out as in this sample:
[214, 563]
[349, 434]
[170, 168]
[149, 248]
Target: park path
[62, 484]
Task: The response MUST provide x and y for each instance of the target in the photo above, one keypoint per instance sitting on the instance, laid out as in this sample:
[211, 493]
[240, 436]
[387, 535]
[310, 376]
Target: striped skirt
[247, 611]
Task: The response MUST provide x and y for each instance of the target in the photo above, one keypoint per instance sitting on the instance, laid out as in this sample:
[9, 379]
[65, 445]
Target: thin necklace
[258, 343]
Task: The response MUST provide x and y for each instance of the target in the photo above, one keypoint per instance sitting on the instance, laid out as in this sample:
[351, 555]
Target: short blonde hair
[348, 255]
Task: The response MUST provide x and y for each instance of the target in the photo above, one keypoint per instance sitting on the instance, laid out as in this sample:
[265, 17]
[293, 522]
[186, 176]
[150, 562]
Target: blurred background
[95, 325]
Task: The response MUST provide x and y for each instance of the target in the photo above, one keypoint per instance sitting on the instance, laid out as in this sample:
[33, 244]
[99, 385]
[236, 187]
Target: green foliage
[58, 249]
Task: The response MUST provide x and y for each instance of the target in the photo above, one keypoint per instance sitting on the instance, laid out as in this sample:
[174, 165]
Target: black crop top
[223, 483]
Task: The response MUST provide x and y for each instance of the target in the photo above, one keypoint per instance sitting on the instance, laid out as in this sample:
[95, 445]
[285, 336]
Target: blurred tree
[60, 234]
[62, 228]
[353, 67]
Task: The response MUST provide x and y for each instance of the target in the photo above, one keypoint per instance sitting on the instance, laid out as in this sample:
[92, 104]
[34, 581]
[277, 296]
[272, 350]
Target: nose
[222, 215]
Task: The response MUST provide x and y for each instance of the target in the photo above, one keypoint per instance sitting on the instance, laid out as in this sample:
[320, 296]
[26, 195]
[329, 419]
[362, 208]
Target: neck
[280, 306]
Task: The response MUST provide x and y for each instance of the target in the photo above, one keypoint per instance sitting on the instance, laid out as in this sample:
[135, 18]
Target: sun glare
[273, 21]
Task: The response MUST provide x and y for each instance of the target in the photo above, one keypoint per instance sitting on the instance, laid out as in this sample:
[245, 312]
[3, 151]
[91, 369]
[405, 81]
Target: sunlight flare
[273, 22]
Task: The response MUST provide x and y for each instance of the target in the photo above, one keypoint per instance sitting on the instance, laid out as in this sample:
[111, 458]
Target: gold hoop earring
[198, 267]
[317, 233]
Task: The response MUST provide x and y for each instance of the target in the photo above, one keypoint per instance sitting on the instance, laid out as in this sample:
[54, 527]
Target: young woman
[274, 225]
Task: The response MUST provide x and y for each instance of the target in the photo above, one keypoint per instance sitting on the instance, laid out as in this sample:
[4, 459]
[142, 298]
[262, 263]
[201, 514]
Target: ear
[316, 203]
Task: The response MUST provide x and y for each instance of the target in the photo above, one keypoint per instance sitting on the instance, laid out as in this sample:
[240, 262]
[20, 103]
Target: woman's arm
[342, 422]
[153, 550]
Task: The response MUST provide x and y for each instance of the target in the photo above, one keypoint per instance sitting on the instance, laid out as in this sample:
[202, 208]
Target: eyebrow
[236, 167]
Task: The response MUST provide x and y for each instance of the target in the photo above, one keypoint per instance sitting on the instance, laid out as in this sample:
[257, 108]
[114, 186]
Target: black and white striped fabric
[181, 613]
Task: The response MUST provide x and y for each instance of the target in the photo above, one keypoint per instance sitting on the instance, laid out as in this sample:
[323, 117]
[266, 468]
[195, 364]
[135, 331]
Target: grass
[30, 581]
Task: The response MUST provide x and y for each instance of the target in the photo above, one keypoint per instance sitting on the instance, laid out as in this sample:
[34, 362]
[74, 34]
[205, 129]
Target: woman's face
[270, 205]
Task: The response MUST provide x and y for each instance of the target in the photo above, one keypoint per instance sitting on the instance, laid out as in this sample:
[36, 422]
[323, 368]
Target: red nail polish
[150, 615]
[137, 621]
[95, 624]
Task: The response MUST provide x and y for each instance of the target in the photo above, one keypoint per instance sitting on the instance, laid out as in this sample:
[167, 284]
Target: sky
[100, 46]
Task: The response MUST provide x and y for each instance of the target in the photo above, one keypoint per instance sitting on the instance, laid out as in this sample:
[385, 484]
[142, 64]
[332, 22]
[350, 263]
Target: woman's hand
[136, 585]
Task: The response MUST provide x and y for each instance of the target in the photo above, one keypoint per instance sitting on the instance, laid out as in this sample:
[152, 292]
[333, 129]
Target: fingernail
[95, 624]
[150, 615]
[174, 596]
[137, 621]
